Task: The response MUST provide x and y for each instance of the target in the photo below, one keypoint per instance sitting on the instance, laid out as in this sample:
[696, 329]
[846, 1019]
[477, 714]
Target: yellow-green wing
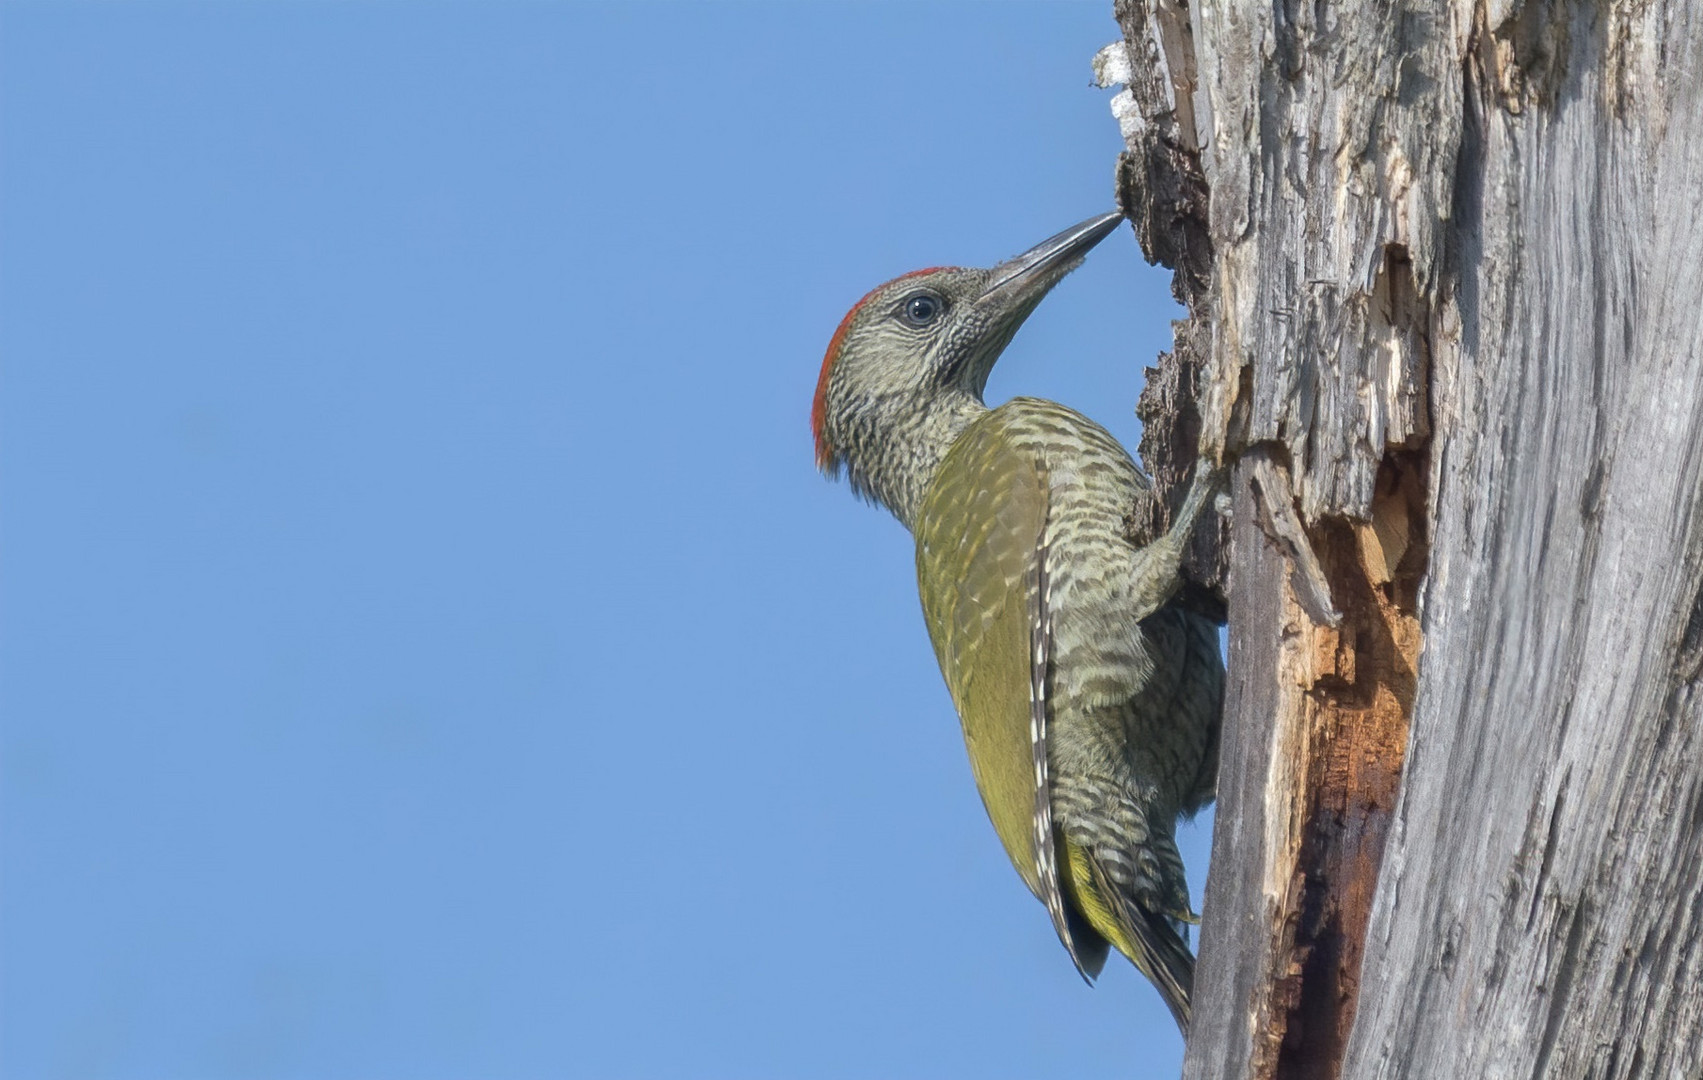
[981, 570]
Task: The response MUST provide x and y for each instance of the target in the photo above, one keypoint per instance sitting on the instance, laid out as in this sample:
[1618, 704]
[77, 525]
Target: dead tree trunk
[1444, 270]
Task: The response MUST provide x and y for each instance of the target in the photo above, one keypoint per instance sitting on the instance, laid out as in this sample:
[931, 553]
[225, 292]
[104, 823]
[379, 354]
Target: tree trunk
[1444, 271]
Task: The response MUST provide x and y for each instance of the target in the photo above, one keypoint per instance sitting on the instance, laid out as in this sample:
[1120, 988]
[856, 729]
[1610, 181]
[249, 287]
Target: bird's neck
[898, 464]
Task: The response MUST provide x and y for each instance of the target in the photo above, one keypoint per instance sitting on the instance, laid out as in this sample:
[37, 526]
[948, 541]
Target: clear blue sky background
[428, 650]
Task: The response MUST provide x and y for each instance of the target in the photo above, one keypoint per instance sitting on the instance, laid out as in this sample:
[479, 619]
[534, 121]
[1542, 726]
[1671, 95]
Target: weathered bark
[1444, 271]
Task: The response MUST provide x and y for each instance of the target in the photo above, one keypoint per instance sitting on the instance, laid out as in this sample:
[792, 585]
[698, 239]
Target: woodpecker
[1090, 703]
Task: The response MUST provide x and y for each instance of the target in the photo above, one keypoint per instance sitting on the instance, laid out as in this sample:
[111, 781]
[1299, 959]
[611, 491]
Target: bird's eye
[921, 309]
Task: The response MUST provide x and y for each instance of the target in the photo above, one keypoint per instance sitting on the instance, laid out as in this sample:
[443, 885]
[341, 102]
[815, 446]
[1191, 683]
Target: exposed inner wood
[1357, 685]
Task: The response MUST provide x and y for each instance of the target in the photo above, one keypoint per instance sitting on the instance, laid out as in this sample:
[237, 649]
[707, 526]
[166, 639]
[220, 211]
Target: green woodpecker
[1090, 703]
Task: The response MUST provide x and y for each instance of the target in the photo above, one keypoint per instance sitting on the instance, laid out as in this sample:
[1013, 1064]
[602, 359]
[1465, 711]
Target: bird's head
[911, 359]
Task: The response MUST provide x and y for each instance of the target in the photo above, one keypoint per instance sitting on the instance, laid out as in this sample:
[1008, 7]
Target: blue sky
[426, 648]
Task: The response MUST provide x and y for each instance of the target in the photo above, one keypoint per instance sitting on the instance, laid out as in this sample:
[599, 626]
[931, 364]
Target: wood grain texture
[1330, 165]
[1449, 286]
[1541, 908]
[1239, 954]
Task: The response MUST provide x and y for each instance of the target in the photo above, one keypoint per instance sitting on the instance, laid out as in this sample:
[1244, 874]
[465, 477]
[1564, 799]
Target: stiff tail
[1148, 938]
[1163, 957]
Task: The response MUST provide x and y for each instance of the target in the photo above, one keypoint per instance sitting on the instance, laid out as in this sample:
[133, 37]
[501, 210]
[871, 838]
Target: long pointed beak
[1050, 259]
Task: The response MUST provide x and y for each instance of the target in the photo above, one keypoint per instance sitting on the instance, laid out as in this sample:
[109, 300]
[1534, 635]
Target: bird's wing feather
[981, 567]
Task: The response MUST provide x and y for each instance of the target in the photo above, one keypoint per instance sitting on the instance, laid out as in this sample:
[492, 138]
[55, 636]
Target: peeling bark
[1444, 272]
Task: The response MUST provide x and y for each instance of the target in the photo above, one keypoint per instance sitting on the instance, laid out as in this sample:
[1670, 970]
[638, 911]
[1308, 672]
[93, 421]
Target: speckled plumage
[1089, 705]
[1021, 530]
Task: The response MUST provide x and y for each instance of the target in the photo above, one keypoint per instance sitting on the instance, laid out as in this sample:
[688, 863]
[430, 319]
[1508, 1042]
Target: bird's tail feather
[1149, 938]
[1163, 957]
